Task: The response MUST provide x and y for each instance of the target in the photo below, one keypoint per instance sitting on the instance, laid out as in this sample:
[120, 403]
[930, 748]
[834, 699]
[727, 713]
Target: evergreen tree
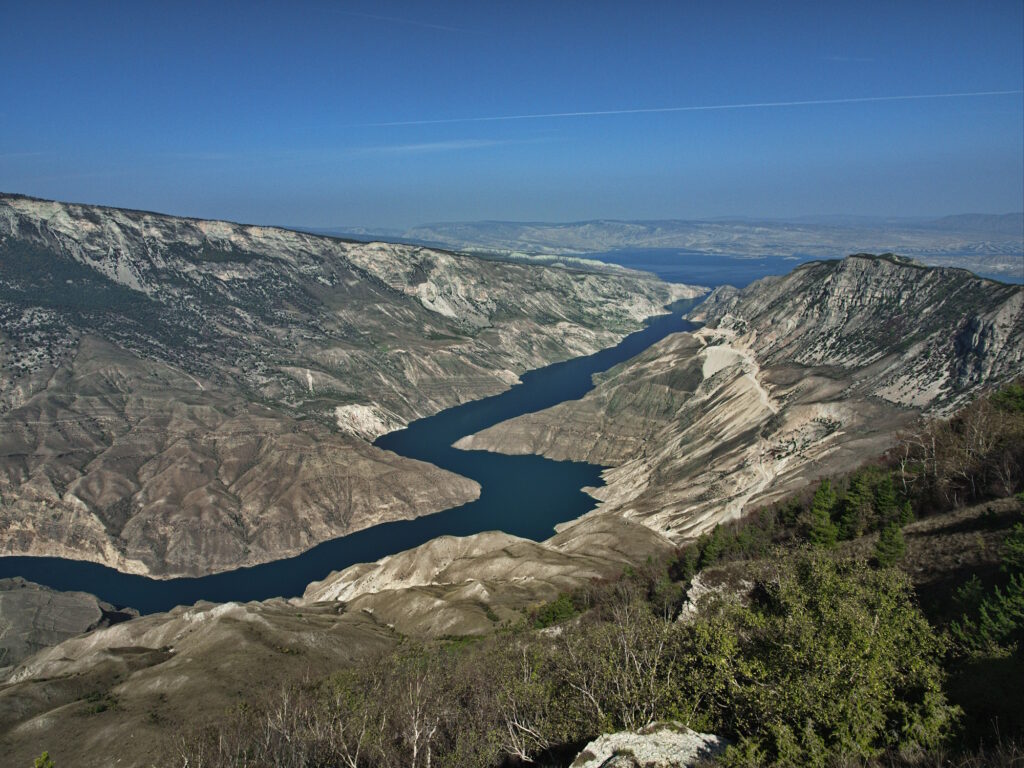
[906, 513]
[1000, 624]
[968, 596]
[712, 548]
[790, 512]
[890, 548]
[1001, 617]
[886, 506]
[685, 566]
[819, 528]
[1013, 550]
[857, 507]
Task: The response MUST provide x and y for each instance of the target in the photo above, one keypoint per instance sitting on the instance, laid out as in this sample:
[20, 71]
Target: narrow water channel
[522, 495]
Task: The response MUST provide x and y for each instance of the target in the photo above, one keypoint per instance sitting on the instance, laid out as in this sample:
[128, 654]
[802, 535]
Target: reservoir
[521, 495]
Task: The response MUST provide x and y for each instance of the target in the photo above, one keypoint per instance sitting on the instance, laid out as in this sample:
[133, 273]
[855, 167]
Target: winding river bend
[522, 495]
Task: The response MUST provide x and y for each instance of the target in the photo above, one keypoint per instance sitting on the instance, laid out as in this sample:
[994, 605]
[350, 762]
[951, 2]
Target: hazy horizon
[355, 226]
[808, 218]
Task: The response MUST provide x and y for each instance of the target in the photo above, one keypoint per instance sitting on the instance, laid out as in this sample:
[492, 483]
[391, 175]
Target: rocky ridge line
[791, 379]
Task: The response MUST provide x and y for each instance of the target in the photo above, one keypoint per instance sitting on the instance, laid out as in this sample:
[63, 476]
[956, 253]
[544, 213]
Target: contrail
[696, 108]
[397, 20]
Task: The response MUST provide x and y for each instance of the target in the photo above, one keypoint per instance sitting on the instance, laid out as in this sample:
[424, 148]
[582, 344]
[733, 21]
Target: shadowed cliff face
[179, 397]
[792, 378]
[33, 617]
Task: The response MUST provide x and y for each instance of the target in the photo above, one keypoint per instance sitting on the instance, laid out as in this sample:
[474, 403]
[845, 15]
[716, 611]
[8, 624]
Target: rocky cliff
[179, 397]
[915, 336]
[33, 617]
[792, 378]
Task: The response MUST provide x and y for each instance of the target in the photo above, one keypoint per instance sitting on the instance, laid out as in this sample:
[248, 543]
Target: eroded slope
[792, 378]
[179, 397]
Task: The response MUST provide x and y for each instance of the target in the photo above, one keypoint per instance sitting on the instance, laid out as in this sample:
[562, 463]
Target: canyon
[181, 397]
[787, 380]
[790, 379]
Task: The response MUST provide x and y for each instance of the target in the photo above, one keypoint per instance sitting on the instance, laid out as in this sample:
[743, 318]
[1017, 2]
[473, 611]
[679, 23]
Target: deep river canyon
[521, 495]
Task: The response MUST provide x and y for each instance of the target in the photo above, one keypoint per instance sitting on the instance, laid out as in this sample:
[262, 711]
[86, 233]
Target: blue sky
[331, 113]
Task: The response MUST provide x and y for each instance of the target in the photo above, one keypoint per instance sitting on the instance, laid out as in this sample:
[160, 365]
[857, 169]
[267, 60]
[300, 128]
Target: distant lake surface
[696, 268]
[679, 266]
[522, 495]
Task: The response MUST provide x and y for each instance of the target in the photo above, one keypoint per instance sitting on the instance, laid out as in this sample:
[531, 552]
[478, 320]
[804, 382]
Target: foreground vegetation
[813, 654]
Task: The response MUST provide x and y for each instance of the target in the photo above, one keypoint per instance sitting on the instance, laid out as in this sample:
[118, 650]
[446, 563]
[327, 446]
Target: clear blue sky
[272, 111]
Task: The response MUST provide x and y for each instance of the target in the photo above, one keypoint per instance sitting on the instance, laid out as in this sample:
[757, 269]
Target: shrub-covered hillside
[875, 619]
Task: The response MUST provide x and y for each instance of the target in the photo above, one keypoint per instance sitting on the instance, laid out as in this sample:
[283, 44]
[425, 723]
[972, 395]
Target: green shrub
[1010, 398]
[833, 659]
[558, 610]
[998, 628]
[1013, 550]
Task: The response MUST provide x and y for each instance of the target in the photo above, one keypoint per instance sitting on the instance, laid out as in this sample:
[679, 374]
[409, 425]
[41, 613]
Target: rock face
[33, 617]
[179, 397]
[914, 336]
[662, 745]
[792, 378]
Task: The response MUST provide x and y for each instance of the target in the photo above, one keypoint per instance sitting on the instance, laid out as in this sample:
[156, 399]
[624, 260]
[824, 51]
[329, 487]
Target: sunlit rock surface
[662, 745]
[179, 397]
[791, 379]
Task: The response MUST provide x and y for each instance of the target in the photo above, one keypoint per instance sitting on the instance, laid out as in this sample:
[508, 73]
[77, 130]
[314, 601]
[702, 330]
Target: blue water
[522, 495]
[697, 268]
[694, 268]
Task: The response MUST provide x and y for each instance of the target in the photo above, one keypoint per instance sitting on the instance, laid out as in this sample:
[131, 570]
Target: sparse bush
[558, 610]
[977, 454]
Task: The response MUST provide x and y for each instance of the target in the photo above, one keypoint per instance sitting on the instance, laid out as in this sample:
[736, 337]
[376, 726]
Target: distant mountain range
[985, 243]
